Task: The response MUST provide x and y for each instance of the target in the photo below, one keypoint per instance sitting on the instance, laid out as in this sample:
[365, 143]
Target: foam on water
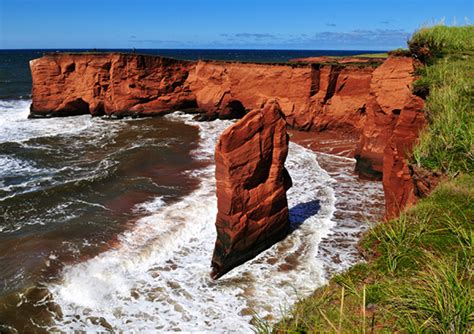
[157, 278]
[22, 173]
[359, 203]
[150, 206]
[14, 125]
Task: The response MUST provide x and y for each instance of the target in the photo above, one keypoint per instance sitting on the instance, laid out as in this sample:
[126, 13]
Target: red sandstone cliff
[394, 118]
[126, 84]
[217, 83]
[251, 188]
[390, 91]
[373, 103]
[311, 96]
[72, 84]
[398, 183]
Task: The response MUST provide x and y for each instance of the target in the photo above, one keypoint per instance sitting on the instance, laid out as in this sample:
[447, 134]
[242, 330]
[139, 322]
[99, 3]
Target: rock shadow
[302, 211]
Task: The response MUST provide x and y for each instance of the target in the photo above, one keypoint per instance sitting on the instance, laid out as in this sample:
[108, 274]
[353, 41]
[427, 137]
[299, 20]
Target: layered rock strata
[399, 186]
[310, 95]
[98, 84]
[394, 118]
[251, 187]
[390, 92]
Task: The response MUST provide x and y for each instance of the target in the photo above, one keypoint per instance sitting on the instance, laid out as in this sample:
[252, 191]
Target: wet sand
[330, 141]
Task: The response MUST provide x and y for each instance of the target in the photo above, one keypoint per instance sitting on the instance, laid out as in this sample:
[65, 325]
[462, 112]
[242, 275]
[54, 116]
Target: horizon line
[211, 49]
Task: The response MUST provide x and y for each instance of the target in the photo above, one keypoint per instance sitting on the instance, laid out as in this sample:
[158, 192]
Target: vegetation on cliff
[418, 276]
[447, 144]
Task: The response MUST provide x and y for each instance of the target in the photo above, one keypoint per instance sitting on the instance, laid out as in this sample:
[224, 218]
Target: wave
[16, 127]
[158, 276]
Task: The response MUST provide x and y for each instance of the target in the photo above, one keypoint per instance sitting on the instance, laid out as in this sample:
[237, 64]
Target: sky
[222, 24]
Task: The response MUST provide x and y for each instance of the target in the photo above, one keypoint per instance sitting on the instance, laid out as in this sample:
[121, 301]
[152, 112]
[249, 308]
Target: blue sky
[254, 24]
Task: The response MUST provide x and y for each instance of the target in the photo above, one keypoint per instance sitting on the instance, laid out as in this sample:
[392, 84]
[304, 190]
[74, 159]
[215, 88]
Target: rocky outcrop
[398, 183]
[251, 187]
[98, 84]
[373, 103]
[394, 118]
[216, 84]
[341, 99]
[390, 93]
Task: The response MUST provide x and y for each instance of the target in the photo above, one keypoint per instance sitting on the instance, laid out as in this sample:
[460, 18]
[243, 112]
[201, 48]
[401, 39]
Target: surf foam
[158, 276]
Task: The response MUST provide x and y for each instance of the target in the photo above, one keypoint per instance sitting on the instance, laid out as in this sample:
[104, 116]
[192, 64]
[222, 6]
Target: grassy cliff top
[444, 39]
[447, 144]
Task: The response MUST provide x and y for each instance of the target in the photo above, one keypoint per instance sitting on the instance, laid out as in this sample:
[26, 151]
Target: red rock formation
[311, 96]
[399, 187]
[216, 83]
[362, 100]
[393, 122]
[120, 84]
[251, 188]
[390, 91]
[341, 100]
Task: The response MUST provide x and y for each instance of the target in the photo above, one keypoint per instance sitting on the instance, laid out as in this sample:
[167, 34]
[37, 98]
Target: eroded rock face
[251, 187]
[217, 83]
[311, 96]
[341, 99]
[120, 84]
[394, 119]
[390, 92]
[399, 186]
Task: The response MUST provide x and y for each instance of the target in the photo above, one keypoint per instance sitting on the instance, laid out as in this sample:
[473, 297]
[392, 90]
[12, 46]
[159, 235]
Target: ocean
[109, 224]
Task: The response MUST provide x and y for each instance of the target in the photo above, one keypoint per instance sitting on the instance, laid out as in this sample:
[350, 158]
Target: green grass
[418, 274]
[441, 39]
[447, 144]
[418, 277]
[370, 55]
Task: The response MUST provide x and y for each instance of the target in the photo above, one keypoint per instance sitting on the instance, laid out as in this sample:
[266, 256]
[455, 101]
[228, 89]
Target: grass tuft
[443, 305]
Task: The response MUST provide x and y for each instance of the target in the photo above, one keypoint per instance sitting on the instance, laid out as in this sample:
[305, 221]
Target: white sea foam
[151, 206]
[158, 276]
[11, 167]
[15, 125]
[16, 166]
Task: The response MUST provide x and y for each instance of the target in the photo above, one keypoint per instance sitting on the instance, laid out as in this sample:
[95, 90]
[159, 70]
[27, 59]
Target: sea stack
[251, 188]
